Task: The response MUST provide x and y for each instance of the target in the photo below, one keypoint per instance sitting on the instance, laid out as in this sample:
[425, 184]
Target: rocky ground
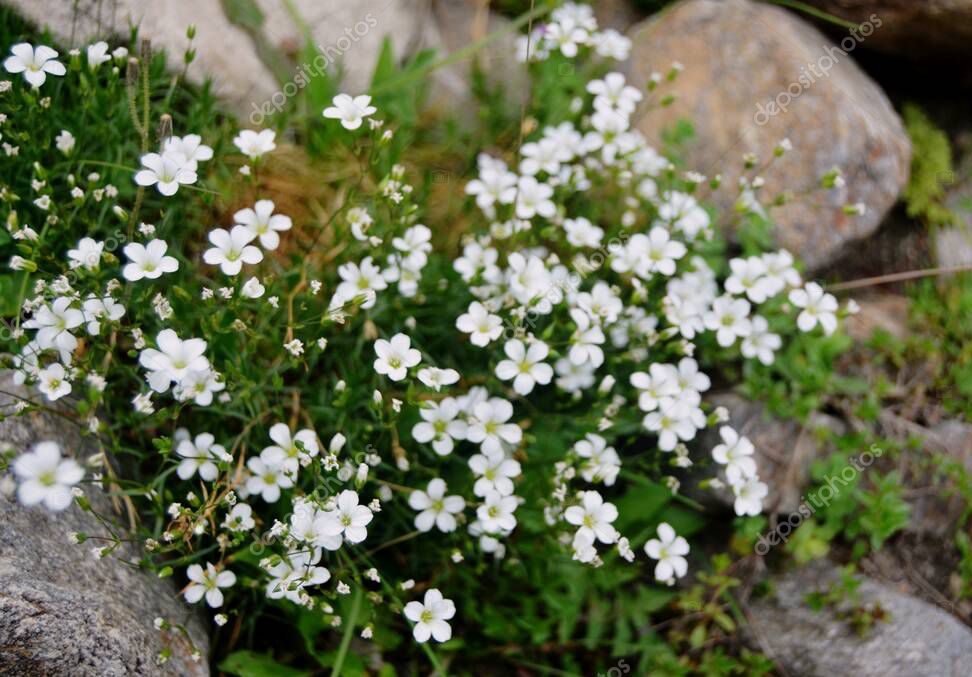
[739, 57]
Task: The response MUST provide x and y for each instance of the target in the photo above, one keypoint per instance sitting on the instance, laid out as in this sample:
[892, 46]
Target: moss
[931, 169]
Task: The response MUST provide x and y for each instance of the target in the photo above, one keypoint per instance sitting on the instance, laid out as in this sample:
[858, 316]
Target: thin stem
[348, 630]
[898, 277]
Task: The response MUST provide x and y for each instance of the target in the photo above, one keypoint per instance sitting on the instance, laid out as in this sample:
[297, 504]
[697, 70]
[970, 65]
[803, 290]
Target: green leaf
[253, 664]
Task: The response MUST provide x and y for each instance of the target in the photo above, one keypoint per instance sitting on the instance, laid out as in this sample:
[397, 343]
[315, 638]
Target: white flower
[54, 323]
[34, 62]
[761, 343]
[611, 44]
[395, 357]
[199, 386]
[430, 617]
[357, 280]
[736, 453]
[525, 366]
[532, 198]
[252, 289]
[601, 303]
[240, 518]
[200, 455]
[142, 403]
[582, 233]
[489, 426]
[612, 92]
[294, 572]
[189, 147]
[436, 508]
[684, 213]
[594, 517]
[97, 54]
[349, 518]
[585, 341]
[166, 172]
[173, 360]
[659, 383]
[494, 472]
[496, 512]
[583, 546]
[572, 377]
[267, 474]
[676, 420]
[295, 450]
[45, 477]
[232, 249]
[495, 184]
[818, 306]
[729, 318]
[749, 278]
[148, 261]
[670, 550]
[749, 496]
[440, 425]
[661, 252]
[480, 324]
[264, 223]
[87, 255]
[64, 142]
[254, 144]
[602, 463]
[435, 378]
[207, 582]
[350, 111]
[53, 382]
[780, 272]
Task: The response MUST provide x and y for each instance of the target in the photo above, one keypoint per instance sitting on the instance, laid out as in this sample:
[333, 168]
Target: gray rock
[223, 50]
[742, 58]
[936, 511]
[914, 640]
[247, 55]
[887, 312]
[925, 30]
[784, 452]
[62, 612]
[953, 244]
[456, 24]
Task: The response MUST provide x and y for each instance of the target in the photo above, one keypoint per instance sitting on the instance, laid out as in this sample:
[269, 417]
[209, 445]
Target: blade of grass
[464, 53]
[814, 12]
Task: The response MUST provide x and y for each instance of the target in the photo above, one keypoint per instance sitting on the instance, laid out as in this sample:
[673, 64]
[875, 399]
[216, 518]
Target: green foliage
[931, 169]
[842, 599]
[941, 312]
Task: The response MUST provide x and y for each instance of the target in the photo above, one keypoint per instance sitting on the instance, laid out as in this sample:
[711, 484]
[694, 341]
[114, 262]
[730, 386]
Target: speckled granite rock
[740, 59]
[915, 640]
[61, 611]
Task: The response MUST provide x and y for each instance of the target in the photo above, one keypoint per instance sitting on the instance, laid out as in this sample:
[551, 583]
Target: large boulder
[250, 49]
[746, 62]
[912, 638]
[927, 30]
[64, 612]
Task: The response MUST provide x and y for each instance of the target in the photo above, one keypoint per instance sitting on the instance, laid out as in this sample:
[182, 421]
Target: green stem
[348, 630]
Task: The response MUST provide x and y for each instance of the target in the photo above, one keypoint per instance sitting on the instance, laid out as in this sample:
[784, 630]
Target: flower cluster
[592, 298]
